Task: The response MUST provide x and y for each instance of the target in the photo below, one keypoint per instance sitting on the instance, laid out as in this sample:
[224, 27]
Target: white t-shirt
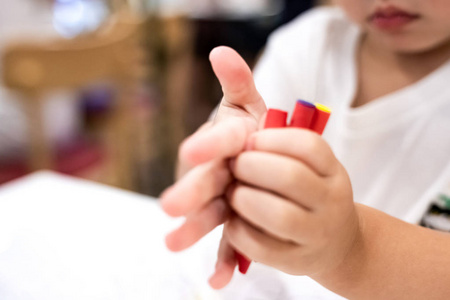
[31, 20]
[396, 149]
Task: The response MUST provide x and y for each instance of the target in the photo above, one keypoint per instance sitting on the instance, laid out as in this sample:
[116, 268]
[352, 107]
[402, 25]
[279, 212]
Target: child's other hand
[294, 205]
[203, 157]
[237, 116]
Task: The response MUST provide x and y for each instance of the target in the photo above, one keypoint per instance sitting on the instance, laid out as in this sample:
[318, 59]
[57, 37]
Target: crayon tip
[243, 263]
[320, 118]
[323, 108]
[303, 114]
[275, 118]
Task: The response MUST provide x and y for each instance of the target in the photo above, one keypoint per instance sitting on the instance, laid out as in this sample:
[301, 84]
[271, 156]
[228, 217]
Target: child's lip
[392, 18]
[389, 11]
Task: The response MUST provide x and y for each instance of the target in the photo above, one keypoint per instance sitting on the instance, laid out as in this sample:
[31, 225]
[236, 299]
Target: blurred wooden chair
[112, 54]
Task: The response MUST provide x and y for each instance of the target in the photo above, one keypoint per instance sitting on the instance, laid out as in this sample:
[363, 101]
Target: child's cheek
[358, 11]
[439, 11]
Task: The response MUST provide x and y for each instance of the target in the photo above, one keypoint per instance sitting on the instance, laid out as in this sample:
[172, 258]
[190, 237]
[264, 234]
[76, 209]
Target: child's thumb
[240, 95]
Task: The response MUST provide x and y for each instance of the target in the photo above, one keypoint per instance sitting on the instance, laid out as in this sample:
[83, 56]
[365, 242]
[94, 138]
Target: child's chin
[410, 46]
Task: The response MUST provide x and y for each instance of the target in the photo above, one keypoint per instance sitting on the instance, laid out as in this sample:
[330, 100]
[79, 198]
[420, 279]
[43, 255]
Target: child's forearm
[392, 259]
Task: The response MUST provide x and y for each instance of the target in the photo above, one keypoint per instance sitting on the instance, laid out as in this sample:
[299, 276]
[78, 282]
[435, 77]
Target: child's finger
[285, 176]
[196, 188]
[224, 139]
[240, 95]
[261, 247]
[300, 144]
[225, 266]
[184, 166]
[280, 218]
[198, 224]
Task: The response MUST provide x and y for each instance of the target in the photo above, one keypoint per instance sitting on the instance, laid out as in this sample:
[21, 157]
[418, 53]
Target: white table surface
[66, 238]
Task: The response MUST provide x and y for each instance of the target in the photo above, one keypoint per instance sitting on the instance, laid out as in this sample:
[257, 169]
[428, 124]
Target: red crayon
[275, 119]
[243, 262]
[320, 118]
[303, 114]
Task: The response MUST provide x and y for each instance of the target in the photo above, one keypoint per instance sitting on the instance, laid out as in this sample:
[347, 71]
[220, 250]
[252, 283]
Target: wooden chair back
[113, 54]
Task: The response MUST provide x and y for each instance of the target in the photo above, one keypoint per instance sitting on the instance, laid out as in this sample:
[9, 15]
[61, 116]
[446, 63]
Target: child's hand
[203, 157]
[294, 205]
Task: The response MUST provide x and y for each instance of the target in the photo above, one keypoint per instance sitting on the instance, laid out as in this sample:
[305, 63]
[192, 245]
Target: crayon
[320, 118]
[303, 114]
[275, 118]
[243, 262]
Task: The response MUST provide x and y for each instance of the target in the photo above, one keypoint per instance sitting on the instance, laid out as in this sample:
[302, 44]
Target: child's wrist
[350, 268]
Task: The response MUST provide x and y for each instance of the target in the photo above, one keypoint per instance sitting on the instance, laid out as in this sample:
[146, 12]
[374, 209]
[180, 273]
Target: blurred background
[106, 90]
